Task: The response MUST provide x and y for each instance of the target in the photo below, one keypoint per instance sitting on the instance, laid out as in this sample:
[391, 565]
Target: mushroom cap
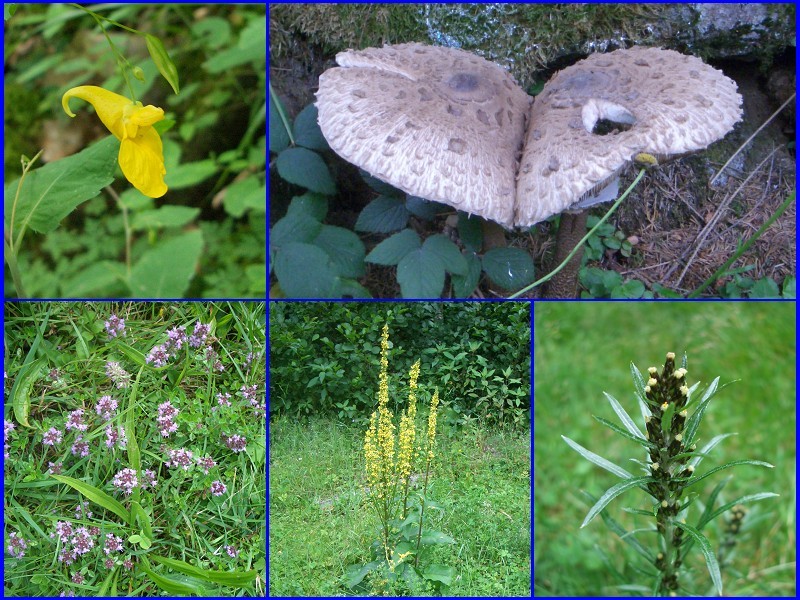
[435, 122]
[667, 103]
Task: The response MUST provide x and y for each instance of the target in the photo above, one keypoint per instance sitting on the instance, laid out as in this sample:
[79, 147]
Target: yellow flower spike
[141, 154]
[432, 424]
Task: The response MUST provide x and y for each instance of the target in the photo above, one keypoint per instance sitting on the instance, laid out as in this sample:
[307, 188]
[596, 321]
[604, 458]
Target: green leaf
[623, 433]
[188, 174]
[149, 277]
[144, 521]
[596, 459]
[383, 215]
[624, 416]
[470, 231]
[638, 381]
[440, 573]
[243, 195]
[424, 209]
[354, 574]
[305, 168]
[310, 204]
[306, 130]
[632, 289]
[345, 249]
[510, 268]
[229, 578]
[708, 553]
[251, 48]
[131, 353]
[295, 227]
[393, 249]
[612, 493]
[306, 271]
[693, 422]
[435, 537]
[278, 136]
[172, 585]
[53, 191]
[464, 285]
[742, 500]
[95, 495]
[421, 274]
[162, 61]
[445, 249]
[110, 579]
[755, 463]
[21, 391]
[765, 288]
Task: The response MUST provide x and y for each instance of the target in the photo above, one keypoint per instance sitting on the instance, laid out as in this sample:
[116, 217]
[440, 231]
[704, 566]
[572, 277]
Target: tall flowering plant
[393, 489]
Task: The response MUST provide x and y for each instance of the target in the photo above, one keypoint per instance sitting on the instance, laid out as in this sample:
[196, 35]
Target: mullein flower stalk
[407, 435]
[429, 460]
[672, 456]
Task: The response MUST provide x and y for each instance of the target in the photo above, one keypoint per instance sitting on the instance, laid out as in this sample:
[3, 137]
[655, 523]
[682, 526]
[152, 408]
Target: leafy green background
[215, 151]
[584, 349]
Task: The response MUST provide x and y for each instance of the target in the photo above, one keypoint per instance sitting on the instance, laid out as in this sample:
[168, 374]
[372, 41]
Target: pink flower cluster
[16, 545]
[75, 421]
[106, 407]
[113, 544]
[115, 436]
[126, 480]
[52, 437]
[77, 541]
[166, 418]
[158, 356]
[218, 488]
[117, 374]
[235, 442]
[180, 458]
[250, 394]
[232, 551]
[222, 399]
[8, 427]
[200, 334]
[176, 338]
[115, 326]
[80, 448]
[206, 463]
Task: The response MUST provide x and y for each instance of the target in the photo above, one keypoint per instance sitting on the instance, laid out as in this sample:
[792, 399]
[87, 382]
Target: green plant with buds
[669, 439]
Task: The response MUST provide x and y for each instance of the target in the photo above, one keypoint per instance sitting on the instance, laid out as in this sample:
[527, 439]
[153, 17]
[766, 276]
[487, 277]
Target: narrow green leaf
[694, 421]
[132, 353]
[711, 559]
[624, 433]
[701, 454]
[108, 583]
[612, 493]
[144, 521]
[756, 463]
[229, 578]
[21, 391]
[97, 496]
[169, 584]
[162, 61]
[598, 460]
[620, 531]
[624, 416]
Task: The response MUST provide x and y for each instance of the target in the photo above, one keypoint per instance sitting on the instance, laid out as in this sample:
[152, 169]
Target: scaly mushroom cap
[435, 122]
[666, 103]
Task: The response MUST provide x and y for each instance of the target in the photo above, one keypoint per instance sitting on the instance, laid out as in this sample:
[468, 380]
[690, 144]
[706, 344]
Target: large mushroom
[435, 122]
[449, 126]
[591, 120]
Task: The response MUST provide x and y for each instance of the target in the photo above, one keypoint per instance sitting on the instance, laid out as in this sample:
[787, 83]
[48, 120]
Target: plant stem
[583, 241]
[422, 511]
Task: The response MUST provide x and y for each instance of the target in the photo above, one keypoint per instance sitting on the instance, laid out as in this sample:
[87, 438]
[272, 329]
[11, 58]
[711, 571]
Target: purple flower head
[113, 544]
[117, 374]
[158, 357]
[212, 358]
[248, 360]
[67, 555]
[54, 468]
[16, 545]
[126, 480]
[115, 436]
[232, 551]
[82, 541]
[148, 479]
[115, 326]
[218, 488]
[108, 563]
[206, 463]
[180, 458]
[77, 578]
[235, 442]
[8, 427]
[80, 448]
[68, 593]
[224, 399]
[82, 510]
[63, 531]
[52, 437]
[75, 420]
[249, 392]
[176, 338]
[94, 531]
[106, 407]
[166, 418]
[128, 564]
[200, 334]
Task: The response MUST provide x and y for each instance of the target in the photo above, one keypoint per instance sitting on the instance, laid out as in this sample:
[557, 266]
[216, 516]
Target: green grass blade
[132, 353]
[229, 578]
[708, 553]
[596, 459]
[612, 493]
[756, 463]
[108, 583]
[624, 416]
[97, 496]
[170, 584]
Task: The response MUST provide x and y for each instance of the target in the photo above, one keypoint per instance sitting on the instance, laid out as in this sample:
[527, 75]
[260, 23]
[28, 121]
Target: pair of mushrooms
[450, 126]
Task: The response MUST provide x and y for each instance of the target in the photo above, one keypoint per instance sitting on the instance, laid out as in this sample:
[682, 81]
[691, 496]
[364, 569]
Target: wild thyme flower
[148, 479]
[108, 563]
[218, 488]
[106, 407]
[224, 399]
[8, 427]
[232, 551]
[115, 436]
[167, 415]
[200, 334]
[212, 358]
[180, 458]
[77, 578]
[112, 544]
[75, 421]
[176, 338]
[68, 593]
[158, 356]
[16, 545]
[82, 541]
[52, 437]
[63, 529]
[80, 448]
[118, 375]
[206, 463]
[126, 480]
[235, 442]
[115, 327]
[82, 510]
[67, 555]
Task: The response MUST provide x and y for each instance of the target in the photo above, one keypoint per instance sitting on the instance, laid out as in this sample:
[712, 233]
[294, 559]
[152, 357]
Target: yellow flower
[432, 424]
[407, 427]
[141, 155]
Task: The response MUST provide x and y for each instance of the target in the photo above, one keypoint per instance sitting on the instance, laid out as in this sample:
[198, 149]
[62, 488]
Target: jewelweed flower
[141, 154]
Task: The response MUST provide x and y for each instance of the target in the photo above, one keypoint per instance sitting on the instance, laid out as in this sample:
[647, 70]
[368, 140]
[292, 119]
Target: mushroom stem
[571, 231]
